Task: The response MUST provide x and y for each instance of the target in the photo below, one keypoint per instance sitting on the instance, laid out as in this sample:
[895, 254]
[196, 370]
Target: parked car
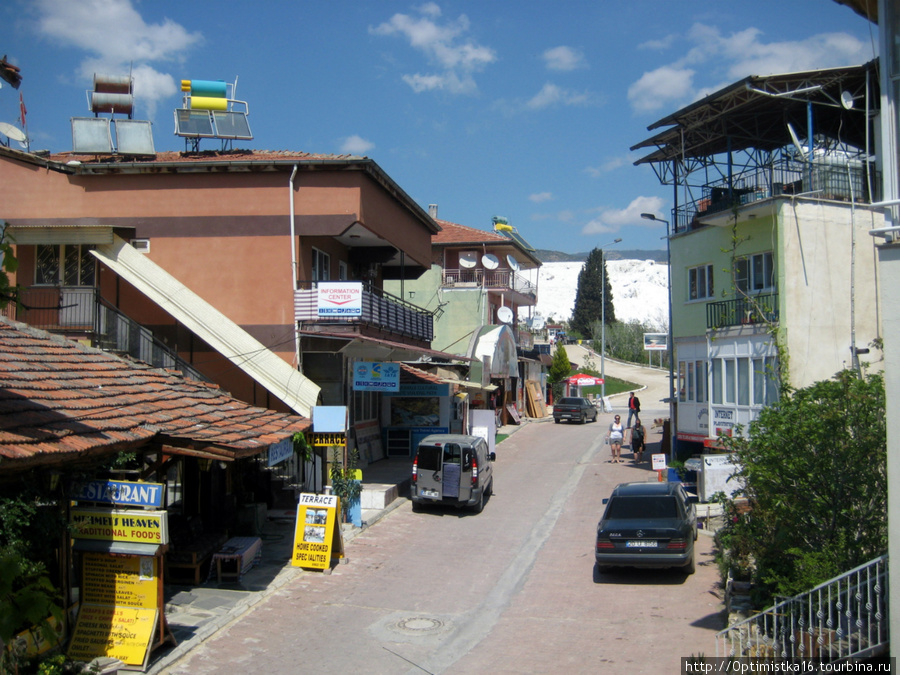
[573, 408]
[647, 525]
[453, 470]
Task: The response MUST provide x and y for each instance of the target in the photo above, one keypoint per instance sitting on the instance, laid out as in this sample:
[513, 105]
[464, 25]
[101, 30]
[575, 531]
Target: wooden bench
[191, 548]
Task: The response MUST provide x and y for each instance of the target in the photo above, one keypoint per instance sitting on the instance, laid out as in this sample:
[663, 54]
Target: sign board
[142, 527]
[658, 461]
[317, 536]
[122, 580]
[340, 298]
[280, 452]
[374, 376]
[656, 341]
[122, 633]
[120, 493]
[326, 440]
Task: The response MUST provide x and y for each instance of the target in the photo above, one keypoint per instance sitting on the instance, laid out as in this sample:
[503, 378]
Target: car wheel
[479, 505]
[691, 567]
[583, 418]
[416, 507]
[489, 490]
[556, 420]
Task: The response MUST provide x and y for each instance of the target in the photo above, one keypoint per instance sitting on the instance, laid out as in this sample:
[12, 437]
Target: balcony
[755, 309]
[497, 280]
[380, 310]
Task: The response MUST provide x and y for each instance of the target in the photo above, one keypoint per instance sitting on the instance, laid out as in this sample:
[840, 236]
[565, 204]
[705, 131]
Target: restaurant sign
[142, 527]
[120, 493]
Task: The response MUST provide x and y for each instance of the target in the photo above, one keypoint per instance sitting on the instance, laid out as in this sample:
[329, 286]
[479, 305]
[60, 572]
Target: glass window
[700, 370]
[755, 273]
[690, 381]
[67, 265]
[681, 381]
[759, 382]
[771, 380]
[729, 381]
[743, 371]
[717, 381]
[701, 282]
[321, 265]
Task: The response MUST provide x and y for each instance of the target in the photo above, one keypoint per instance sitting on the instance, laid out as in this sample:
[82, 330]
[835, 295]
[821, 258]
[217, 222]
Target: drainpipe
[294, 266]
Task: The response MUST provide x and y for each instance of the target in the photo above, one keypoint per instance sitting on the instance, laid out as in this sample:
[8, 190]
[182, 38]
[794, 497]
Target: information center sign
[317, 536]
[343, 298]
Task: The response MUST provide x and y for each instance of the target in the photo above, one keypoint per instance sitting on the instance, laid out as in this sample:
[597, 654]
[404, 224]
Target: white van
[452, 470]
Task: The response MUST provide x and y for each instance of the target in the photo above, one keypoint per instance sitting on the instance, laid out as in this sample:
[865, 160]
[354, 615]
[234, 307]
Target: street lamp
[603, 321]
[670, 347]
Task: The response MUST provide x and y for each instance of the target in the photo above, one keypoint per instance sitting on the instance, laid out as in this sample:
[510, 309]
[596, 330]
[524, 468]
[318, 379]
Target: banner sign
[339, 298]
[656, 341]
[120, 493]
[326, 440]
[280, 452]
[317, 536]
[143, 527]
[369, 376]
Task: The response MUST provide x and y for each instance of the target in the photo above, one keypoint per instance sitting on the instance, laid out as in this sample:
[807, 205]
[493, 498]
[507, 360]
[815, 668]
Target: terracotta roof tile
[59, 398]
[454, 233]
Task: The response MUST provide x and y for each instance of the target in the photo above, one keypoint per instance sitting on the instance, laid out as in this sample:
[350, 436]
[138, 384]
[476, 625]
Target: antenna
[12, 133]
[505, 314]
[490, 261]
[847, 100]
[468, 259]
[513, 263]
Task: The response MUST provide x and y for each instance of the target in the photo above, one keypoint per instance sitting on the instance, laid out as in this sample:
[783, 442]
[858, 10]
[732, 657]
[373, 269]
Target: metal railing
[493, 279]
[80, 309]
[845, 617]
[380, 309]
[754, 309]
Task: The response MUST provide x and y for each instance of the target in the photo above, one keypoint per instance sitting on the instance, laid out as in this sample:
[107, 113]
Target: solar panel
[134, 137]
[516, 237]
[91, 135]
[232, 124]
[194, 123]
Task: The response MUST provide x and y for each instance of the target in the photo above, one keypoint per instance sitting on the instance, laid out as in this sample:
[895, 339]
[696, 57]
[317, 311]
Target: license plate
[641, 543]
[431, 494]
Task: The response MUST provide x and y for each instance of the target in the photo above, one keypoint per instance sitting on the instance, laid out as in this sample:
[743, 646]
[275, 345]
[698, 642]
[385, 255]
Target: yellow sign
[318, 532]
[122, 633]
[144, 527]
[326, 440]
[123, 580]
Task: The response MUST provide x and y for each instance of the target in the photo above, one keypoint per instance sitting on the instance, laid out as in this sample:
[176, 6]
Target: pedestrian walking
[614, 438]
[637, 441]
[634, 408]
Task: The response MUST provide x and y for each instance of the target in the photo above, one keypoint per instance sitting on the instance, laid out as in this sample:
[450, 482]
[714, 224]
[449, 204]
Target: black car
[647, 525]
[574, 408]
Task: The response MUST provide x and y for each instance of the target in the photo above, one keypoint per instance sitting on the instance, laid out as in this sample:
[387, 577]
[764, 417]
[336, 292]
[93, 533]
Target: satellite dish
[538, 323]
[490, 261]
[12, 132]
[847, 100]
[796, 141]
[513, 263]
[505, 314]
[468, 259]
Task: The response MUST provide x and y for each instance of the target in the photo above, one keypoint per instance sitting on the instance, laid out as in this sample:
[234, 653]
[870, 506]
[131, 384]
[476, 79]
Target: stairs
[845, 617]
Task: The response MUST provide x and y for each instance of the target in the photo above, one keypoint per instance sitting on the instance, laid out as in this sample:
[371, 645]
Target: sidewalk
[195, 613]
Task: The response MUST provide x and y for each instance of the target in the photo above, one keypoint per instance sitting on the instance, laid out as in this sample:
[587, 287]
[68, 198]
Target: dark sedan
[647, 525]
[574, 409]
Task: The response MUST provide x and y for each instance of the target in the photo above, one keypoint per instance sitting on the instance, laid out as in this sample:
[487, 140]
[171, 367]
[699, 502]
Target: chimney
[432, 210]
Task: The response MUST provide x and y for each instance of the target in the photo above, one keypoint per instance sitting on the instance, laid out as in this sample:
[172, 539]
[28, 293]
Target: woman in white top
[614, 435]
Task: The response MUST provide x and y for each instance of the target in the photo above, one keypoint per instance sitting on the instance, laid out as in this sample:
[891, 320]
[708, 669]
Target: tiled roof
[60, 400]
[411, 375]
[454, 233]
[205, 156]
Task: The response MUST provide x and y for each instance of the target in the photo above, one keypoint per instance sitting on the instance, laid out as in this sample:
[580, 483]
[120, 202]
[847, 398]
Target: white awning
[268, 369]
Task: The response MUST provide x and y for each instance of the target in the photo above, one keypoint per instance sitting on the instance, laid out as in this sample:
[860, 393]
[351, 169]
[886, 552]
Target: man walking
[634, 408]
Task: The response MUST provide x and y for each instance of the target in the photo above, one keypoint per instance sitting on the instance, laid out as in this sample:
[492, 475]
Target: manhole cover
[418, 625]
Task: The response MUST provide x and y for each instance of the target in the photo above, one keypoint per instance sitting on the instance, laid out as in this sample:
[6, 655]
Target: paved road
[512, 590]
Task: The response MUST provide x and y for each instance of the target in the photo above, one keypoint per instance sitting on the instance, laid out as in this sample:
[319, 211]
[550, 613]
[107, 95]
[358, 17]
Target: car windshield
[430, 457]
[631, 508]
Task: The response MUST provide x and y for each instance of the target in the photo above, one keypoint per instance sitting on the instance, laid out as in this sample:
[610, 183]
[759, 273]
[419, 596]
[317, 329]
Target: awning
[269, 370]
[376, 349]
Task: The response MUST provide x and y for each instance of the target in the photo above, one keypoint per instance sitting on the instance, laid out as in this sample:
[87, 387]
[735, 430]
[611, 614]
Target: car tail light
[415, 474]
[605, 544]
[474, 472]
[677, 544]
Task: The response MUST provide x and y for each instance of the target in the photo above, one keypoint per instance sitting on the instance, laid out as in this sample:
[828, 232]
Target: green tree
[590, 297]
[559, 370]
[814, 469]
[8, 265]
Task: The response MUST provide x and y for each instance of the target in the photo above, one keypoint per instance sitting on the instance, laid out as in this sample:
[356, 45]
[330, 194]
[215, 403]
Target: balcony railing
[493, 279]
[846, 617]
[379, 310]
[754, 309]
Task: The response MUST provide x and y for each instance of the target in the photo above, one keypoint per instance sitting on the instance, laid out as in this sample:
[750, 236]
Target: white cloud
[356, 145]
[445, 47]
[564, 58]
[551, 94]
[539, 197]
[725, 58]
[115, 36]
[607, 166]
[612, 220]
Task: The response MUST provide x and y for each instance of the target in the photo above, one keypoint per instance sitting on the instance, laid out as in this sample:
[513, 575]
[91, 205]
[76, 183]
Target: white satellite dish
[513, 263]
[505, 314]
[12, 132]
[490, 261]
[847, 100]
[538, 323]
[468, 259]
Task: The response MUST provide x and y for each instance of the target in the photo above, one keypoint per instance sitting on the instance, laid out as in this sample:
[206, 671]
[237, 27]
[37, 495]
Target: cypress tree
[589, 297]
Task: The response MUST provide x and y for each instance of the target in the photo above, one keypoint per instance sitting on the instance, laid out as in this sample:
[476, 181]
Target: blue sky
[523, 109]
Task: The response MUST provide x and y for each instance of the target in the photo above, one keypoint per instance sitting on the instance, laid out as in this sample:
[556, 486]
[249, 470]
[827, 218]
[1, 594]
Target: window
[729, 381]
[321, 265]
[743, 381]
[681, 382]
[342, 271]
[717, 381]
[63, 265]
[701, 382]
[690, 381]
[700, 280]
[755, 273]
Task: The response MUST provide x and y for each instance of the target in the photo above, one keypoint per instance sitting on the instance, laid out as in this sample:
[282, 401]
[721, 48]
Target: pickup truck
[573, 409]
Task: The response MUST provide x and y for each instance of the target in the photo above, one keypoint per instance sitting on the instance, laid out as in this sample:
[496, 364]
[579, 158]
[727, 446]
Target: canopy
[583, 380]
